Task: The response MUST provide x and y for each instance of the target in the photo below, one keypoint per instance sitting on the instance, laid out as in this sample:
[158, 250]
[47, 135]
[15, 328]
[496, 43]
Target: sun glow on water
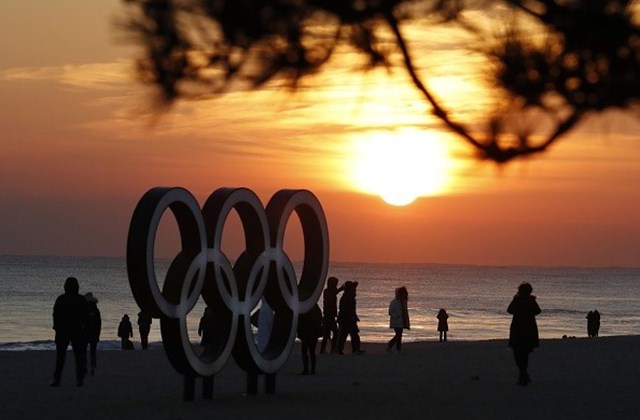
[402, 166]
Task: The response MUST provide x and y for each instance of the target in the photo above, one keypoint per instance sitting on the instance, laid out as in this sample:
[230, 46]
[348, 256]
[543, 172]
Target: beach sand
[572, 378]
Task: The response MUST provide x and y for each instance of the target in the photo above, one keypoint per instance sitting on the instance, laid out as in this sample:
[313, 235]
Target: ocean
[475, 297]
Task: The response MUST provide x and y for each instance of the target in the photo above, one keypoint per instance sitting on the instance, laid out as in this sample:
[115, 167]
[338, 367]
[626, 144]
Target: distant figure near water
[70, 313]
[125, 331]
[398, 318]
[593, 323]
[523, 335]
[92, 330]
[144, 328]
[443, 324]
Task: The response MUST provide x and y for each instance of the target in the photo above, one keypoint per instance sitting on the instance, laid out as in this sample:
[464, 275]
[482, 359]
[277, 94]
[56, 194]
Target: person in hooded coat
[523, 334]
[348, 319]
[70, 313]
[92, 330]
[125, 331]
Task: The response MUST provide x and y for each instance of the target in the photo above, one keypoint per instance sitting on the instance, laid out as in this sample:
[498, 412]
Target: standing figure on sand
[70, 313]
[206, 329]
[92, 329]
[309, 330]
[266, 317]
[144, 328]
[593, 323]
[523, 334]
[443, 324]
[398, 318]
[330, 315]
[125, 331]
[348, 319]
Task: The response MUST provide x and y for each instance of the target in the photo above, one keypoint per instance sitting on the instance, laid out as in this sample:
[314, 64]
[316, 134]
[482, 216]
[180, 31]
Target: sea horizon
[475, 296]
[430, 263]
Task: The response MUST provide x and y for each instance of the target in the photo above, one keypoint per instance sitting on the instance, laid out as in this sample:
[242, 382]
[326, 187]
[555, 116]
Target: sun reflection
[401, 166]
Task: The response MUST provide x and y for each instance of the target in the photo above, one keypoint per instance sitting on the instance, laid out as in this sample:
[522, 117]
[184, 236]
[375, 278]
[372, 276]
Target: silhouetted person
[443, 324]
[125, 331]
[144, 328]
[265, 325]
[92, 329]
[590, 325]
[215, 328]
[348, 319]
[70, 313]
[398, 317]
[206, 328]
[309, 330]
[330, 315]
[596, 323]
[523, 335]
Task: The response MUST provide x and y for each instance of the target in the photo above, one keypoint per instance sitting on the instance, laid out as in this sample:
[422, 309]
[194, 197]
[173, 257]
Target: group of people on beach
[337, 325]
[125, 331]
[337, 322]
[77, 321]
[523, 334]
[593, 323]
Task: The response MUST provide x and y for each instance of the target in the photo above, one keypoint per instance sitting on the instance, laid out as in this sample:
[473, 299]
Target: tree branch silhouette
[438, 110]
[583, 60]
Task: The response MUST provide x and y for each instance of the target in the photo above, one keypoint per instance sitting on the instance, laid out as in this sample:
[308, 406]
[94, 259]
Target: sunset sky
[78, 150]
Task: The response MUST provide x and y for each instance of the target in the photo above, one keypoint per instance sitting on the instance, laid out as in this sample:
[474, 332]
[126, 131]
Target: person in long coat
[348, 319]
[309, 330]
[93, 328]
[144, 328]
[596, 323]
[523, 334]
[443, 324]
[70, 313]
[398, 318]
[330, 314]
[590, 319]
[125, 331]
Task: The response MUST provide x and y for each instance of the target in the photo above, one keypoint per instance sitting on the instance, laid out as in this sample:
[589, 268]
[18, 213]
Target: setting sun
[401, 166]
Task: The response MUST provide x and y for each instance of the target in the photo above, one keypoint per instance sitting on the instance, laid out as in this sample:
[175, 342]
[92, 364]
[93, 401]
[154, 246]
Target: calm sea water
[476, 298]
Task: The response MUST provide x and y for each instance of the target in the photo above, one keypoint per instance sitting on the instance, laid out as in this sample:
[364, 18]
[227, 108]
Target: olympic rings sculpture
[262, 271]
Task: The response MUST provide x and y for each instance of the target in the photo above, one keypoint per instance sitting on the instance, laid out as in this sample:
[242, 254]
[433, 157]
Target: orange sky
[77, 154]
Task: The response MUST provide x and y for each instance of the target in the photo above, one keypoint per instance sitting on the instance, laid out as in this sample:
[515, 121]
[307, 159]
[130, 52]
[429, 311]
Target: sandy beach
[572, 378]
